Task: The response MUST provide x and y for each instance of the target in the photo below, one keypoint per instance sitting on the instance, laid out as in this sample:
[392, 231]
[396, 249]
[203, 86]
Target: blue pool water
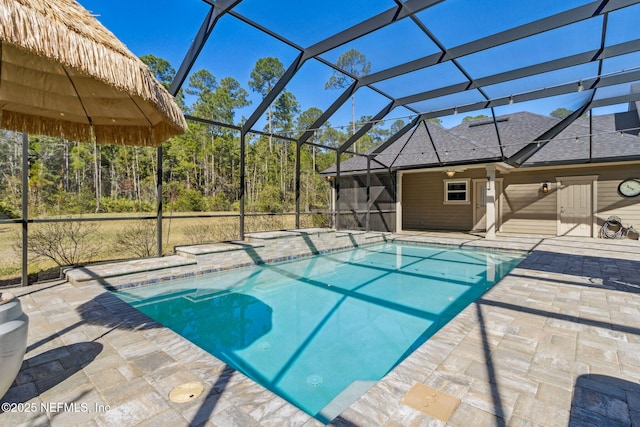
[319, 331]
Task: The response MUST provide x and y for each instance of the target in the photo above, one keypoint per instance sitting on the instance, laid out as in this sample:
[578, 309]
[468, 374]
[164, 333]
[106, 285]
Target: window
[456, 191]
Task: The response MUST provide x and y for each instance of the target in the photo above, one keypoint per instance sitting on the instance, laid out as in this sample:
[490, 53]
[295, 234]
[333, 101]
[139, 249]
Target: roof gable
[431, 145]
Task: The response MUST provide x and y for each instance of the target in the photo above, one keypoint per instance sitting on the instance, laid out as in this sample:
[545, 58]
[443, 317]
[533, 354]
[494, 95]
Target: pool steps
[193, 260]
[194, 251]
[93, 272]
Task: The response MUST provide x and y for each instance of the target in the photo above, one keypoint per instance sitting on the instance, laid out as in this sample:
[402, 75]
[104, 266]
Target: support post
[368, 217]
[159, 201]
[336, 187]
[399, 202]
[243, 136]
[298, 147]
[25, 208]
[491, 202]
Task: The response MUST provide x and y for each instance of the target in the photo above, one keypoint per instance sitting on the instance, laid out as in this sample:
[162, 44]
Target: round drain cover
[186, 392]
[264, 346]
[314, 380]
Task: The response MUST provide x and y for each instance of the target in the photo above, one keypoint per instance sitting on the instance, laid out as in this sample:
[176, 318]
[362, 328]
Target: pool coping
[189, 268]
[205, 272]
[285, 259]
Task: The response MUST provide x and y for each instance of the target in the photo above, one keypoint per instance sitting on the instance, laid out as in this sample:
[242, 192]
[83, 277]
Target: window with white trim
[456, 191]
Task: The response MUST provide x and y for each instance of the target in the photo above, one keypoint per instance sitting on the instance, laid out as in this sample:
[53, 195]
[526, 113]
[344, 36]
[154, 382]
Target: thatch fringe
[82, 132]
[44, 126]
[65, 32]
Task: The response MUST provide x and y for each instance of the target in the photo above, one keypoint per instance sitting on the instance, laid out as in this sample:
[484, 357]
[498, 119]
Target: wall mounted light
[450, 173]
[488, 183]
[580, 87]
[329, 178]
[511, 100]
[545, 187]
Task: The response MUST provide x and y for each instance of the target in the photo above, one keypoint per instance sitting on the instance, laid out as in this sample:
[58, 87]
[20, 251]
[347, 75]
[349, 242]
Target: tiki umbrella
[63, 74]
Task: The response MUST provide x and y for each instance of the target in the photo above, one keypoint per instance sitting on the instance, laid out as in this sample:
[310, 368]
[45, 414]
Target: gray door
[480, 199]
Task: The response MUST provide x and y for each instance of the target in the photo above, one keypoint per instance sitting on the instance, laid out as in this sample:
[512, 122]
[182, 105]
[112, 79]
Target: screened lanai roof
[429, 59]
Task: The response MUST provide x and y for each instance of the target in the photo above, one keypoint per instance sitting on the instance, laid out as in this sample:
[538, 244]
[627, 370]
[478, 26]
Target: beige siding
[524, 208]
[423, 206]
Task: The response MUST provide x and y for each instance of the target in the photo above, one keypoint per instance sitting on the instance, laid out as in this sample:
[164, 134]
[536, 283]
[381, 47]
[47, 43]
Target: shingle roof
[573, 144]
[477, 140]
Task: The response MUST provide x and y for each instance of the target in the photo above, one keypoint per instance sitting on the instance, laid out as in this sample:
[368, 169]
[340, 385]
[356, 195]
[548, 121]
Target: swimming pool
[320, 331]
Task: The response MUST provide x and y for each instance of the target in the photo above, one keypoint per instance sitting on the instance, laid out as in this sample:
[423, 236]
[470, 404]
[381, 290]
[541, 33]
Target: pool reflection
[237, 319]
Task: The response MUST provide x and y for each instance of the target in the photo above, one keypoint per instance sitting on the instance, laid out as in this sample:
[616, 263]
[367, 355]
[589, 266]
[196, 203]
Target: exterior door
[480, 205]
[575, 208]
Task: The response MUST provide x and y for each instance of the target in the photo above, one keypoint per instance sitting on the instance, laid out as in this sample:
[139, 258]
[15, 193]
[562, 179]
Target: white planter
[13, 339]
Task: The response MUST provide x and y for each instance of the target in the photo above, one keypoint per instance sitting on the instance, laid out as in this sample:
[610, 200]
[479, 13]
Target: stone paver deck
[111, 269]
[211, 248]
[555, 343]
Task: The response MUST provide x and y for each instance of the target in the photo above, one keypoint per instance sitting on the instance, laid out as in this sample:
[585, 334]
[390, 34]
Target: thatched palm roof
[64, 74]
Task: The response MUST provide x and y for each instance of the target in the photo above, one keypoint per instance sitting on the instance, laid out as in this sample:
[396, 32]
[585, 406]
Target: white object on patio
[14, 324]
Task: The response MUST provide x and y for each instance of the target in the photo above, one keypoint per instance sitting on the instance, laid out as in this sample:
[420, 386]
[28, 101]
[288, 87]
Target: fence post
[25, 208]
[242, 182]
[298, 185]
[159, 200]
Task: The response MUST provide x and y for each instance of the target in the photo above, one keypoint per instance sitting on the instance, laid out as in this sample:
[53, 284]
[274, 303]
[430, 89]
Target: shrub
[219, 202]
[269, 200]
[189, 201]
[65, 243]
[225, 229]
[138, 238]
[314, 221]
[72, 203]
[265, 223]
[197, 233]
[125, 205]
[215, 230]
[8, 211]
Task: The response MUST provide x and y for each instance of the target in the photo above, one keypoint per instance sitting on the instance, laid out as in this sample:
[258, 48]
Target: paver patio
[554, 343]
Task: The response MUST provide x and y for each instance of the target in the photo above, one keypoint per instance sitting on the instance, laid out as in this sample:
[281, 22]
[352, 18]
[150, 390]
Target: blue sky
[166, 28]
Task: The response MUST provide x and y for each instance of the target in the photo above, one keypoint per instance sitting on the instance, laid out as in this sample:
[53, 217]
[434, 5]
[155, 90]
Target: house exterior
[523, 173]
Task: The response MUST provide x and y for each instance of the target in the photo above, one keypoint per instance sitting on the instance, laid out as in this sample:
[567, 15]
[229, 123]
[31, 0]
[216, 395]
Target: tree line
[200, 168]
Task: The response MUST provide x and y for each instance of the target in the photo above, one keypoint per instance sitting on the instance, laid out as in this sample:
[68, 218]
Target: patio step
[283, 234]
[257, 248]
[376, 234]
[347, 233]
[193, 251]
[361, 234]
[78, 275]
